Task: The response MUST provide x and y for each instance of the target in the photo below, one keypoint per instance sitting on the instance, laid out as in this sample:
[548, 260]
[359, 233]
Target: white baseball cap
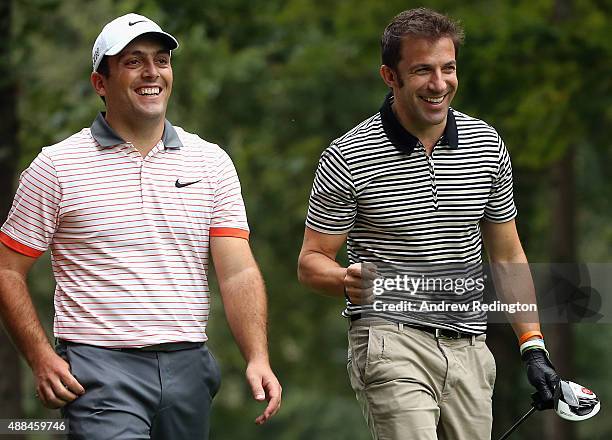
[121, 31]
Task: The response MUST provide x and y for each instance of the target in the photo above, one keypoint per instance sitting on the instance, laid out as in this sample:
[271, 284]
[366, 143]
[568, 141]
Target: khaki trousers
[414, 386]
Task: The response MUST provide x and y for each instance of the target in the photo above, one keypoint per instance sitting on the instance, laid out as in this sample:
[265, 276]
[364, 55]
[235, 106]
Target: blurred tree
[548, 92]
[274, 82]
[564, 250]
[10, 379]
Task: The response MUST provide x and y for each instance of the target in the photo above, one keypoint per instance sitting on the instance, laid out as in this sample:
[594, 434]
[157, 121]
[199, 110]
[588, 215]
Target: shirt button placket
[145, 182]
[432, 177]
[140, 169]
[137, 157]
[147, 189]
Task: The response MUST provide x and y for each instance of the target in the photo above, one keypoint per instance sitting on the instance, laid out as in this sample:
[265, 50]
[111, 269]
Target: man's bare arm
[319, 270]
[317, 265]
[54, 383]
[244, 300]
[510, 270]
[513, 281]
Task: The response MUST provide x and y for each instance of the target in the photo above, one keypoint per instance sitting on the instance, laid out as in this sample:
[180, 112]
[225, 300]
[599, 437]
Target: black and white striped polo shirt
[408, 212]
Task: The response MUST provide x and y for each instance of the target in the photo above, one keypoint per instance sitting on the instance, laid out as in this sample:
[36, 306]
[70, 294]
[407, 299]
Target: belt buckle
[440, 334]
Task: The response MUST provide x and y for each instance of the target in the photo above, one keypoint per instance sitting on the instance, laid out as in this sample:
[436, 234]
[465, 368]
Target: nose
[150, 69]
[436, 81]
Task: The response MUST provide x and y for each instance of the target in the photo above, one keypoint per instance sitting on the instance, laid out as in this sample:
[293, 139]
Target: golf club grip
[516, 425]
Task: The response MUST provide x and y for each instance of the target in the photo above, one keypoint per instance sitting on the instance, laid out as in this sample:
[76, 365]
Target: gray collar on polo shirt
[106, 136]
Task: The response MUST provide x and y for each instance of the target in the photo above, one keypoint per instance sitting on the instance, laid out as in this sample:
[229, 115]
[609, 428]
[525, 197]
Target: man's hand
[265, 386]
[55, 385]
[358, 283]
[542, 376]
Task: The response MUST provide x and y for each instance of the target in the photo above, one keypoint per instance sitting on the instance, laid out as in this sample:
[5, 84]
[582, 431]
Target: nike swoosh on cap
[182, 185]
[132, 23]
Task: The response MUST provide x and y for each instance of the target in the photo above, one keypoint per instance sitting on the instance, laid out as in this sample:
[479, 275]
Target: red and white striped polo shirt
[129, 236]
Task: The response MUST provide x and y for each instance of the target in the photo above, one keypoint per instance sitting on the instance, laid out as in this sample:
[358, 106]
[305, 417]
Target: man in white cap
[130, 208]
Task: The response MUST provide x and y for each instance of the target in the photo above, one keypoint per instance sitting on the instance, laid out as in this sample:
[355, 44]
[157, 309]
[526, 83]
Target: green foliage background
[274, 82]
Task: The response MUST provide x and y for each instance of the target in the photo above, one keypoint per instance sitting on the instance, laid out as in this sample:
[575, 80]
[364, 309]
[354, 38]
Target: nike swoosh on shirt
[182, 185]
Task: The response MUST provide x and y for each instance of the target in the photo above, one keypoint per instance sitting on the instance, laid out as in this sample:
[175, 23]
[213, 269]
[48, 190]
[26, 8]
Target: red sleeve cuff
[229, 232]
[19, 247]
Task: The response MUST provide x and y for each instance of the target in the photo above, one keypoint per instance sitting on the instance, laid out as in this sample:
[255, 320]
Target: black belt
[171, 346]
[443, 332]
[436, 332]
[164, 347]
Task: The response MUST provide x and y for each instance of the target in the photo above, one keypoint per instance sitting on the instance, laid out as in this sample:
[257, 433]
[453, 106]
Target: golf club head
[574, 402]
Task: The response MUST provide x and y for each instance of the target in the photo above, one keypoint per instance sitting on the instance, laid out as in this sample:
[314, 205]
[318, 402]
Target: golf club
[571, 402]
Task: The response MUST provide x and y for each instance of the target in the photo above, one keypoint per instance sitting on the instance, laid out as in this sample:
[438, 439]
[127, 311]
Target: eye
[132, 62]
[163, 61]
[450, 69]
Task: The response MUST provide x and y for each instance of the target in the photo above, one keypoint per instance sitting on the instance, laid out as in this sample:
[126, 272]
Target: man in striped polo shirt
[130, 208]
[412, 190]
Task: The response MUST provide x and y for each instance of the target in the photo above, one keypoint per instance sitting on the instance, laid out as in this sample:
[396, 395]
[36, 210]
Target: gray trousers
[131, 394]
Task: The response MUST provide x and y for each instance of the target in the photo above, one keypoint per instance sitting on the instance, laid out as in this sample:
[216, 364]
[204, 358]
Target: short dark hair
[104, 68]
[420, 23]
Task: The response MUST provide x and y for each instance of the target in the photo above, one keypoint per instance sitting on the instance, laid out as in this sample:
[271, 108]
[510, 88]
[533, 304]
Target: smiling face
[139, 83]
[424, 82]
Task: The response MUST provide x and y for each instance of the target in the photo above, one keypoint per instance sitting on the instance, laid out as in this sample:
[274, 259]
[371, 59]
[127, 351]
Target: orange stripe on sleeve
[229, 232]
[19, 247]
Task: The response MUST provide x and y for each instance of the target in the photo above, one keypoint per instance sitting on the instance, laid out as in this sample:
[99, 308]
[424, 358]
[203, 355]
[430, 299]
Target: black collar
[107, 137]
[406, 141]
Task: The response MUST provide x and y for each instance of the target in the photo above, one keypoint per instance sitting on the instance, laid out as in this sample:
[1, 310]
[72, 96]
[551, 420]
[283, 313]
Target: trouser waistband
[163, 347]
[436, 332]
